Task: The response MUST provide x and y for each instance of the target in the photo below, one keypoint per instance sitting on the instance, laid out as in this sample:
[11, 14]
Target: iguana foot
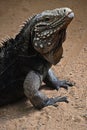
[63, 84]
[51, 101]
[52, 81]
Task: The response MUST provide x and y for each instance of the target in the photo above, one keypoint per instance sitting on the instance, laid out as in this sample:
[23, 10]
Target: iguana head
[48, 32]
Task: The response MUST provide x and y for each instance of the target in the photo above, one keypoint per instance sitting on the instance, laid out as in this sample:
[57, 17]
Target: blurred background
[73, 67]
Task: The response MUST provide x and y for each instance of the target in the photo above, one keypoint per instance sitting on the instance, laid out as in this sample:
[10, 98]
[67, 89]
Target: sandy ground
[72, 116]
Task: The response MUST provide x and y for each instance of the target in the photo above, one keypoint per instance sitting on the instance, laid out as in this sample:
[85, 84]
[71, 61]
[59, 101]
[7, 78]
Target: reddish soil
[73, 67]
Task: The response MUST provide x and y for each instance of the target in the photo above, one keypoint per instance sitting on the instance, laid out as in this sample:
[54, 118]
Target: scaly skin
[25, 61]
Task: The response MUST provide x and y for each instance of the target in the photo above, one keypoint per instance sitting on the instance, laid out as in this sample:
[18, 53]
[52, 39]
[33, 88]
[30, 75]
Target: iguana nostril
[64, 10]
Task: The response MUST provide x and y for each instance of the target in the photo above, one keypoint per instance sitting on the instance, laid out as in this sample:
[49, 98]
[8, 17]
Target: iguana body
[25, 61]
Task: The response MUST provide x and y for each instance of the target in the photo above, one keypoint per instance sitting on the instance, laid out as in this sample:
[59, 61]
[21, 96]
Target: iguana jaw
[49, 29]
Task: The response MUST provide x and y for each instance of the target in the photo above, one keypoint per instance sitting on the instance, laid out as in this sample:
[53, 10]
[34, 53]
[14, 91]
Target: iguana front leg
[32, 84]
[52, 81]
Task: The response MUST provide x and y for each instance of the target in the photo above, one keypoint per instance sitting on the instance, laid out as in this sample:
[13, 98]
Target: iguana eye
[47, 19]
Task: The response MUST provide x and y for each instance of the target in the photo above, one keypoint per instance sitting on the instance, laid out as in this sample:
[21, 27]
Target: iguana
[26, 59]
